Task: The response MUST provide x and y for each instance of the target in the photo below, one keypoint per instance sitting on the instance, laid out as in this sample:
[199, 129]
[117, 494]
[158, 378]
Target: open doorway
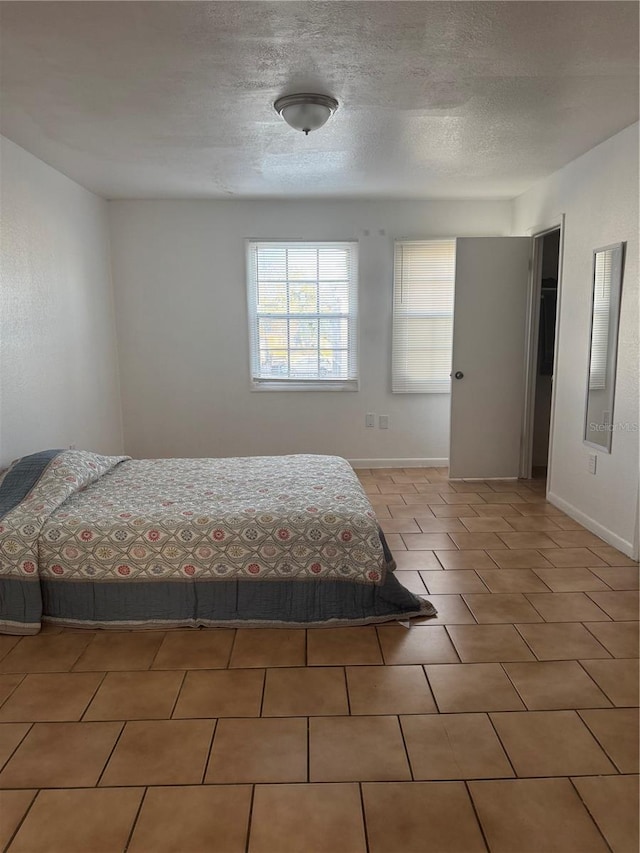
[549, 265]
[543, 313]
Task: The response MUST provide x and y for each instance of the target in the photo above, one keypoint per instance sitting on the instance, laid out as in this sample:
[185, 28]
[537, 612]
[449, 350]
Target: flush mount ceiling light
[307, 111]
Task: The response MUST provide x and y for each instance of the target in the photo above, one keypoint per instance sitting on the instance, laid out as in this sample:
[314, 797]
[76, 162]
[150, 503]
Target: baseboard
[592, 525]
[399, 463]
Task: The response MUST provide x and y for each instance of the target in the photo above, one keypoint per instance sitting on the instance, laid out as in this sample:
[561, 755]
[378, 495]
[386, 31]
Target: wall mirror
[605, 317]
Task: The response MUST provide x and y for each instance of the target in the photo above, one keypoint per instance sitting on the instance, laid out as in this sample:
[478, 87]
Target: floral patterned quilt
[113, 541]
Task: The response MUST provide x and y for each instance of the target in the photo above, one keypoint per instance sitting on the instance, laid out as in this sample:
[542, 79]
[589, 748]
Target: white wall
[179, 273]
[598, 192]
[58, 365]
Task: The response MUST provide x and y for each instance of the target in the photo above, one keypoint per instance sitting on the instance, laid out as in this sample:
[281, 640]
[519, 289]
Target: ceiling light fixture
[307, 111]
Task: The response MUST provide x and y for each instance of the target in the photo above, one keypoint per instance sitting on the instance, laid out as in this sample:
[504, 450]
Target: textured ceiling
[437, 99]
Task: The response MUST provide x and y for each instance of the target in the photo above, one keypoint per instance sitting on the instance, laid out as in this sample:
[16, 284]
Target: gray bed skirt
[233, 603]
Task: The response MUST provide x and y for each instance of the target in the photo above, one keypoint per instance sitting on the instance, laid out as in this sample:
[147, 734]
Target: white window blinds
[423, 289]
[601, 320]
[303, 314]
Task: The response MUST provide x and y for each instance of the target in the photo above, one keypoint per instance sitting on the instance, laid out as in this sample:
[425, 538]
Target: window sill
[309, 385]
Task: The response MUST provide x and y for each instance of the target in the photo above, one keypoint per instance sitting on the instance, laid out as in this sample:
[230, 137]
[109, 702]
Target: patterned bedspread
[104, 529]
[262, 517]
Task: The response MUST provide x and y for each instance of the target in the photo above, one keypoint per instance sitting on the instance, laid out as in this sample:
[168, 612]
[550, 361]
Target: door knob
[459, 374]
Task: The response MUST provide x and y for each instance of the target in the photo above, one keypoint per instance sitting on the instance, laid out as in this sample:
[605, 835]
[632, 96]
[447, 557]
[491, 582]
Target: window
[603, 276]
[303, 315]
[423, 286]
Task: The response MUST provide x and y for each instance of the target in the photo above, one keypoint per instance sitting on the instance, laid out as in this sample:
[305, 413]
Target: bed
[112, 542]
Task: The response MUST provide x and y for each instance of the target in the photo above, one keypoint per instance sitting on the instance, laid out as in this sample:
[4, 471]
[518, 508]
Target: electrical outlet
[370, 420]
[72, 447]
[383, 421]
[592, 463]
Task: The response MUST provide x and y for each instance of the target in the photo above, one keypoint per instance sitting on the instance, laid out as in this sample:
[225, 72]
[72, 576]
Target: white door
[488, 375]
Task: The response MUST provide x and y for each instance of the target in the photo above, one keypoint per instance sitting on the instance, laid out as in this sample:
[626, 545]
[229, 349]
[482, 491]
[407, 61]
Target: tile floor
[507, 723]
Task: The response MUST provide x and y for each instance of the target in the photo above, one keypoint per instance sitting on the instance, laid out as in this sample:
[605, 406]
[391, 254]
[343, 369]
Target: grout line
[346, 690]
[502, 746]
[178, 692]
[113, 749]
[586, 806]
[135, 820]
[209, 751]
[308, 749]
[81, 719]
[13, 690]
[18, 745]
[264, 690]
[364, 817]
[22, 820]
[250, 817]
[406, 749]
[475, 812]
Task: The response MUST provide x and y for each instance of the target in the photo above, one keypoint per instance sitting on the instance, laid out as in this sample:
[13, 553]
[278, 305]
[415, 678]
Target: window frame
[258, 383]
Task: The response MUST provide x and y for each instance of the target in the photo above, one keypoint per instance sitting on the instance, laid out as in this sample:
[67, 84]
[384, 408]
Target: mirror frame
[616, 291]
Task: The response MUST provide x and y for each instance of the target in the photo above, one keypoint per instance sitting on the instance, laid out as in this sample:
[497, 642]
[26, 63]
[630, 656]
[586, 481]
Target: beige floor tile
[428, 541]
[195, 819]
[621, 639]
[440, 525]
[489, 643]
[550, 743]
[506, 497]
[454, 746]
[59, 755]
[617, 678]
[423, 504]
[452, 610]
[7, 643]
[160, 752]
[340, 646]
[487, 524]
[493, 509]
[530, 539]
[613, 803]
[512, 580]
[616, 730]
[195, 649]
[534, 816]
[620, 606]
[263, 647]
[570, 579]
[309, 818]
[305, 692]
[135, 696]
[472, 687]
[611, 556]
[125, 651]
[420, 817]
[561, 641]
[259, 750]
[350, 749]
[416, 560]
[395, 542]
[541, 508]
[8, 684]
[572, 557]
[399, 525]
[453, 511]
[418, 644]
[524, 558]
[412, 581]
[207, 694]
[553, 685]
[13, 807]
[10, 736]
[476, 541]
[566, 523]
[53, 824]
[452, 581]
[567, 607]
[575, 539]
[501, 607]
[465, 560]
[389, 690]
[534, 524]
[45, 653]
[468, 498]
[618, 577]
[411, 511]
[390, 488]
[58, 696]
